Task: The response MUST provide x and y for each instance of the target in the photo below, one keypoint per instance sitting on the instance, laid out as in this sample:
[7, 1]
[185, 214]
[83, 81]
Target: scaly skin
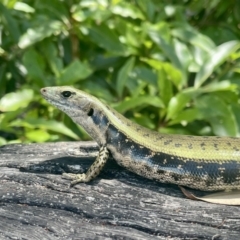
[205, 163]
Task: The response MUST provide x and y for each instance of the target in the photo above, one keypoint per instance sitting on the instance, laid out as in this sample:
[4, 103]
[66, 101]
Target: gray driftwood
[36, 203]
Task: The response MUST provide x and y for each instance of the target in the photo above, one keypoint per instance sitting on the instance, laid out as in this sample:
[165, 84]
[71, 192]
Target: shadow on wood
[36, 203]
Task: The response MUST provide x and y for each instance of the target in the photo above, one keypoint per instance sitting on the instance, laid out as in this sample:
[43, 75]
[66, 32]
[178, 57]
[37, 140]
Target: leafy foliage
[172, 67]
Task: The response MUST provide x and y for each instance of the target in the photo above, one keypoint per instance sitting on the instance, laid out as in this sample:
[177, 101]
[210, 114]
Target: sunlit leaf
[199, 58]
[34, 35]
[186, 116]
[37, 136]
[183, 53]
[126, 9]
[179, 101]
[220, 54]
[153, 63]
[21, 6]
[2, 141]
[15, 100]
[225, 85]
[190, 35]
[52, 125]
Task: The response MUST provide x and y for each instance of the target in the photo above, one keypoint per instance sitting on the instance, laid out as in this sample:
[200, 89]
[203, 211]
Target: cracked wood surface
[36, 203]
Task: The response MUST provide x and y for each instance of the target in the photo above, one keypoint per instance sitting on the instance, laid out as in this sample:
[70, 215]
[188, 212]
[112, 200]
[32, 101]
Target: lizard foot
[77, 178]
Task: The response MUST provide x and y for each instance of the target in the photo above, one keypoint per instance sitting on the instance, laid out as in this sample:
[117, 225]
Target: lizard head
[83, 108]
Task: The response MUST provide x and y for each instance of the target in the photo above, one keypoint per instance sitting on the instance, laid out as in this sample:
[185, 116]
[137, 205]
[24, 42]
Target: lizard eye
[66, 94]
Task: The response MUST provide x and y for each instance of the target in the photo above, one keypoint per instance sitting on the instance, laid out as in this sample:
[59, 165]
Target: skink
[206, 163]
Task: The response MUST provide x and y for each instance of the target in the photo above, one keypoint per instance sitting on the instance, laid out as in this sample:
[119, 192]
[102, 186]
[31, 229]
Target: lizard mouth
[51, 98]
[55, 98]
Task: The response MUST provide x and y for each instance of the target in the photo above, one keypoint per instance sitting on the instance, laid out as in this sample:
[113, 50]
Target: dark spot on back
[178, 145]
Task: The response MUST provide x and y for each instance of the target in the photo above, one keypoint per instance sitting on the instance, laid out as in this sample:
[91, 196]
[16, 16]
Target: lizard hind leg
[93, 171]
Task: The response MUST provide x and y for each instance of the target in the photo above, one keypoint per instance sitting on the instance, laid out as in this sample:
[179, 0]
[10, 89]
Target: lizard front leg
[93, 171]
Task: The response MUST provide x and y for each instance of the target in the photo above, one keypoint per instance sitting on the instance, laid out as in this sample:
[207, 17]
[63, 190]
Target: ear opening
[90, 112]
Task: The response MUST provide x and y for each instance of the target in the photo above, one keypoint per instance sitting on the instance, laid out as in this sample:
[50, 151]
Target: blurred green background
[172, 66]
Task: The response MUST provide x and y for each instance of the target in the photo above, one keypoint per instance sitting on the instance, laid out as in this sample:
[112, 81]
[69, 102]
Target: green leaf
[37, 135]
[126, 9]
[135, 87]
[156, 33]
[7, 117]
[10, 23]
[186, 116]
[57, 127]
[2, 141]
[34, 35]
[220, 54]
[197, 39]
[56, 8]
[179, 101]
[145, 74]
[236, 111]
[176, 104]
[199, 58]
[98, 87]
[148, 8]
[123, 75]
[35, 65]
[130, 35]
[52, 125]
[172, 73]
[21, 6]
[3, 80]
[140, 79]
[183, 54]
[179, 130]
[225, 85]
[222, 119]
[15, 100]
[156, 64]
[107, 39]
[165, 86]
[74, 72]
[50, 51]
[139, 102]
[145, 120]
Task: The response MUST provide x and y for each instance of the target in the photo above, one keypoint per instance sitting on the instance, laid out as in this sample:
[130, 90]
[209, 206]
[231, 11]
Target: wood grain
[36, 203]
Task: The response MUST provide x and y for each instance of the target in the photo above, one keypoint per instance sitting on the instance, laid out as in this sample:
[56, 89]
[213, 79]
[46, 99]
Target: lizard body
[205, 163]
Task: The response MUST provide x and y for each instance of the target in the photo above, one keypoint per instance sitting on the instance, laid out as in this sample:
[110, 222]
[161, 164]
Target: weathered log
[36, 203]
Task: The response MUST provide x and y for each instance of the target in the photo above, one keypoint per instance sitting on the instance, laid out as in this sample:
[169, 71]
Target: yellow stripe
[190, 147]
